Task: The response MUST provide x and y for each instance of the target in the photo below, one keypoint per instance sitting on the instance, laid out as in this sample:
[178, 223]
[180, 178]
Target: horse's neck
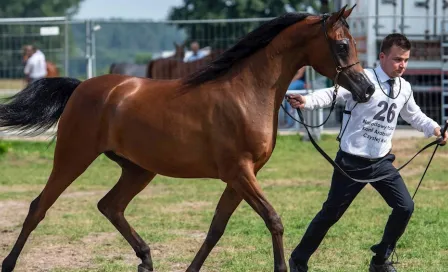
[178, 54]
[271, 71]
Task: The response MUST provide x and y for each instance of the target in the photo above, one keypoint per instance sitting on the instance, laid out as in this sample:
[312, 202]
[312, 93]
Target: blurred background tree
[211, 35]
[38, 8]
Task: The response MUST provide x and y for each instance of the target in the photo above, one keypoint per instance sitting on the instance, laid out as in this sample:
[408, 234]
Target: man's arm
[319, 99]
[412, 114]
[27, 70]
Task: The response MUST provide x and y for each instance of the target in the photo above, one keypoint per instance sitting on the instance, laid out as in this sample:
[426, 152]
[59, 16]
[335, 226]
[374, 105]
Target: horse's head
[335, 56]
[179, 52]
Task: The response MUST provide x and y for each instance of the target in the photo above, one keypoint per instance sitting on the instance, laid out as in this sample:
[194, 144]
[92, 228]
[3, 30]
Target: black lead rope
[340, 170]
[394, 253]
[429, 162]
[333, 104]
[340, 69]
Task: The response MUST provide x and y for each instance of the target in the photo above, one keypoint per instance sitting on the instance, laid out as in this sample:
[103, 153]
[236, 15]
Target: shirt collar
[382, 76]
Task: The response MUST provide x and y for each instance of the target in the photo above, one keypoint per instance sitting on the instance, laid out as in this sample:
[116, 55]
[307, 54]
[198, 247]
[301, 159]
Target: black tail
[37, 107]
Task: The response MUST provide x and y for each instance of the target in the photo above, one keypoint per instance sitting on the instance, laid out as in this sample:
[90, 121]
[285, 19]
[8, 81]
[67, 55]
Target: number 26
[390, 113]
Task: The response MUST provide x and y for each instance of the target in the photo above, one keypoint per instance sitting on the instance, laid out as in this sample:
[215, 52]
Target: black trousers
[343, 191]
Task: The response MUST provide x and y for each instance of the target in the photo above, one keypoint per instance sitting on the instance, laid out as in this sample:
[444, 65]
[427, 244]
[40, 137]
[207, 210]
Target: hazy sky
[127, 9]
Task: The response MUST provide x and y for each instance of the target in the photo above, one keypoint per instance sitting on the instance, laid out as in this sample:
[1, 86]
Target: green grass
[173, 215]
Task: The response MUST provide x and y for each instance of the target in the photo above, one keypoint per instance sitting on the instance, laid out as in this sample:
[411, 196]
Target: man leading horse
[365, 152]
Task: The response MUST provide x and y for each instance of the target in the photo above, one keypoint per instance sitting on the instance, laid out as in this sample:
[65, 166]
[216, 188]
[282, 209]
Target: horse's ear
[348, 12]
[337, 15]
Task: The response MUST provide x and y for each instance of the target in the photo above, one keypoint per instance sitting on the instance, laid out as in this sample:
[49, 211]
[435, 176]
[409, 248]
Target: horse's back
[118, 88]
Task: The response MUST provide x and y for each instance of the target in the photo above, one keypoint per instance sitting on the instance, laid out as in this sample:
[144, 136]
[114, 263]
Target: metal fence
[49, 34]
[88, 48]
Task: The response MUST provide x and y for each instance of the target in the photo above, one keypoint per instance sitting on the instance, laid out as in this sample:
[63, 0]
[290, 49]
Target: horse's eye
[342, 47]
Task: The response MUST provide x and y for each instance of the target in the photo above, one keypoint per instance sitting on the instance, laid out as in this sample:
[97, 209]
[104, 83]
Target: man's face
[195, 47]
[395, 62]
[28, 51]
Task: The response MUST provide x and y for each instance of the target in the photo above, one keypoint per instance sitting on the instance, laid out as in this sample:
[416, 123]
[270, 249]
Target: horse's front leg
[228, 202]
[242, 179]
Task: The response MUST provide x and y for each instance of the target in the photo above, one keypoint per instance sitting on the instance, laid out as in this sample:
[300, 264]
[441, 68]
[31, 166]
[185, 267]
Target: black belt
[359, 158]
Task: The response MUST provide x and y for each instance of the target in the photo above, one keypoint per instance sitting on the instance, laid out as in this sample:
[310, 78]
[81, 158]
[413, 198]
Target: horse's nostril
[370, 90]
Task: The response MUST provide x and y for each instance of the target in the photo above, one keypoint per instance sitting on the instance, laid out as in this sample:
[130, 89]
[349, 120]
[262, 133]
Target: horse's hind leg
[132, 181]
[227, 204]
[67, 167]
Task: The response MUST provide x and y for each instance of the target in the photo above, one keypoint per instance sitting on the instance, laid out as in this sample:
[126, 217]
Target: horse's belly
[168, 155]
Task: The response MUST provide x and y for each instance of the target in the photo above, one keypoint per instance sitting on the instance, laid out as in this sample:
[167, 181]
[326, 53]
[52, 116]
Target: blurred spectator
[35, 66]
[197, 54]
[297, 83]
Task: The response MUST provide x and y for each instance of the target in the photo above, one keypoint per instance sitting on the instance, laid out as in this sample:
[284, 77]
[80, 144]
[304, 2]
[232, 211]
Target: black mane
[255, 40]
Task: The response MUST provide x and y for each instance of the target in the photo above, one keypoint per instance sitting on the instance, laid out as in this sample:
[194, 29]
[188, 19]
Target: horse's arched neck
[273, 67]
[286, 63]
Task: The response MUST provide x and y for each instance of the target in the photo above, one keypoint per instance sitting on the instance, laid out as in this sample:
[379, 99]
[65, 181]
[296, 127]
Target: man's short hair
[396, 39]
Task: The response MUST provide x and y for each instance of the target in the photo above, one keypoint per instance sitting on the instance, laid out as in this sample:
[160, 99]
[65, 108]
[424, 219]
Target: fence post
[89, 57]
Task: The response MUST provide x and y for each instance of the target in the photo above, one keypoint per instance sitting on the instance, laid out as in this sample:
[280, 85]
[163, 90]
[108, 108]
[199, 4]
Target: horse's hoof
[8, 265]
[7, 268]
[143, 269]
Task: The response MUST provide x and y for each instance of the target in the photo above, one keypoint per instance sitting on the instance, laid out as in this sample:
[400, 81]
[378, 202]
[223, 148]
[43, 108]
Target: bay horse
[183, 69]
[161, 68]
[140, 70]
[219, 122]
[177, 68]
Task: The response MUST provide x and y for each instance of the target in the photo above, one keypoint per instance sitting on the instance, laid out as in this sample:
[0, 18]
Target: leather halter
[339, 67]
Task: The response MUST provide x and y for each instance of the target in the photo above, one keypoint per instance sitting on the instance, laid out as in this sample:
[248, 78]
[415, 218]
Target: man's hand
[296, 101]
[437, 133]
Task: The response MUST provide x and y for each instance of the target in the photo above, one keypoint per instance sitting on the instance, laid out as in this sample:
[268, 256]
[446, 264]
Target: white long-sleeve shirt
[36, 66]
[367, 128]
